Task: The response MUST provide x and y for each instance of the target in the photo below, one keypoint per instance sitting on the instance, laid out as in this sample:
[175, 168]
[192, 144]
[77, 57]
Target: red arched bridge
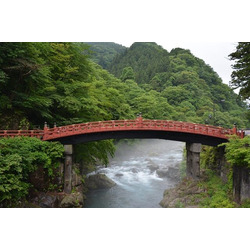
[138, 128]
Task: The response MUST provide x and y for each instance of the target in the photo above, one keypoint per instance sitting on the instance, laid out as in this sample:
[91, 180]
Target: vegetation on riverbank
[21, 158]
[214, 189]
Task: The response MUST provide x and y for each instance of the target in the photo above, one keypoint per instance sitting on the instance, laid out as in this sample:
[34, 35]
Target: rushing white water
[142, 172]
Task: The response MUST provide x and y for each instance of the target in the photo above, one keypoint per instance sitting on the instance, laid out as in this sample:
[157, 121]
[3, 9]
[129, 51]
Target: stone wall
[241, 183]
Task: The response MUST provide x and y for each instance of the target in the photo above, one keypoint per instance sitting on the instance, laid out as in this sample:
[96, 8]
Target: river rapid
[142, 171]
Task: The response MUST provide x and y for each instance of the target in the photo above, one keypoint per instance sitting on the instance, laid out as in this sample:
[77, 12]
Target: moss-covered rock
[73, 200]
[99, 181]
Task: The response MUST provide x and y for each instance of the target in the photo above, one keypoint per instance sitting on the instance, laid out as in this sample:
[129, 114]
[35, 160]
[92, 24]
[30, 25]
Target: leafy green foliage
[127, 74]
[94, 152]
[40, 81]
[21, 156]
[105, 52]
[241, 75]
[219, 194]
[57, 83]
[181, 79]
[238, 151]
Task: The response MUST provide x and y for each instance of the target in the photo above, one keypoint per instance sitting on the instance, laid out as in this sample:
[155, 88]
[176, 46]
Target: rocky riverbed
[187, 194]
[142, 172]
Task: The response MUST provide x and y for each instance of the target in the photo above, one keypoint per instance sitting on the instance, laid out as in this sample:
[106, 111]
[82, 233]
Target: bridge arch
[193, 134]
[136, 129]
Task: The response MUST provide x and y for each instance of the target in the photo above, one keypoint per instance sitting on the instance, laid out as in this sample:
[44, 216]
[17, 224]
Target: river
[142, 171]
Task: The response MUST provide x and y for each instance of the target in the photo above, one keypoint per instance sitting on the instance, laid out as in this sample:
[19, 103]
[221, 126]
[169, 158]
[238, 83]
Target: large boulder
[173, 173]
[99, 181]
[153, 167]
[163, 172]
[48, 201]
[73, 200]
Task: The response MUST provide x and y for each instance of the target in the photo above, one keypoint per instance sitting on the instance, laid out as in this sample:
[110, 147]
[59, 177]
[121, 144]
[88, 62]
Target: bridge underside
[146, 134]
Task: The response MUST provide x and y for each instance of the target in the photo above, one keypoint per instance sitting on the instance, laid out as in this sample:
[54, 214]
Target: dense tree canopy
[104, 52]
[241, 73]
[181, 79]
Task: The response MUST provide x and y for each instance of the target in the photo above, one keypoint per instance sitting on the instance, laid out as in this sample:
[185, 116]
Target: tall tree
[241, 73]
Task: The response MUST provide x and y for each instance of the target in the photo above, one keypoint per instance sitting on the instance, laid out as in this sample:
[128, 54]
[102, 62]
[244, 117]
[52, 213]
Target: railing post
[139, 121]
[45, 131]
[242, 134]
[235, 130]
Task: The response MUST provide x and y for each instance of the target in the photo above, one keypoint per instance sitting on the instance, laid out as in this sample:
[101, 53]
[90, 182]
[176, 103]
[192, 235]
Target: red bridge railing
[30, 133]
[137, 124]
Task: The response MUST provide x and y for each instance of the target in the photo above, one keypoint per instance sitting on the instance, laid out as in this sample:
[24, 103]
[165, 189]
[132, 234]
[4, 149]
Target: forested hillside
[178, 86]
[57, 83]
[104, 52]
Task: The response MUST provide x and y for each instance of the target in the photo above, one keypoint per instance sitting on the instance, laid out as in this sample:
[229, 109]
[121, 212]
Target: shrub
[19, 157]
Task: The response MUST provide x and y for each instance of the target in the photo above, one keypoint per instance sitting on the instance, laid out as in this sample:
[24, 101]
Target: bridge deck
[138, 128]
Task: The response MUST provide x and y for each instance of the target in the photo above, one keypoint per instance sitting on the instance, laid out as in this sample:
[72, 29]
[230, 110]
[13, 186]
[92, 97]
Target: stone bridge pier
[241, 183]
[193, 160]
[68, 152]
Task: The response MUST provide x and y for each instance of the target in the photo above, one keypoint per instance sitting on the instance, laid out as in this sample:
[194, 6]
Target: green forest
[67, 83]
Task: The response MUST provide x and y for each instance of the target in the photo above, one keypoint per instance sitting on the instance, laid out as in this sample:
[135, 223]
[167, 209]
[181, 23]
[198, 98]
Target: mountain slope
[186, 82]
[105, 52]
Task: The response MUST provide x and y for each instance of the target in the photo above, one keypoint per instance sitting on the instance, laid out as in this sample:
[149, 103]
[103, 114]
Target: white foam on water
[135, 180]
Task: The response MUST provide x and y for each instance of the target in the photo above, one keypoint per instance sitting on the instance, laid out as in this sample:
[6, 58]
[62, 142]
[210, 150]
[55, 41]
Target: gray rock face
[72, 200]
[48, 201]
[171, 171]
[99, 181]
[183, 195]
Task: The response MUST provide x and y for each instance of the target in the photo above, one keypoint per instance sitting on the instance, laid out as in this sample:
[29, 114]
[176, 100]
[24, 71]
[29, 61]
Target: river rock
[48, 201]
[119, 175]
[153, 167]
[72, 200]
[99, 181]
[163, 172]
[134, 170]
[173, 172]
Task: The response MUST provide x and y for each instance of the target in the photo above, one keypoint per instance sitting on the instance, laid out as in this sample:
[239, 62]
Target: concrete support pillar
[193, 160]
[241, 183]
[237, 176]
[68, 168]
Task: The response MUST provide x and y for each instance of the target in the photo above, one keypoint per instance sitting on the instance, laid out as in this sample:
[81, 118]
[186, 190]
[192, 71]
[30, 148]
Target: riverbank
[207, 192]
